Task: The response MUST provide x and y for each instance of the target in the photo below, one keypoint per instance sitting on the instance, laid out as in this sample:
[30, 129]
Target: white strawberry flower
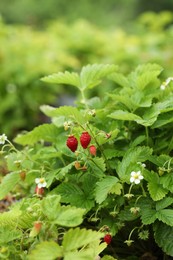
[3, 138]
[136, 177]
[41, 183]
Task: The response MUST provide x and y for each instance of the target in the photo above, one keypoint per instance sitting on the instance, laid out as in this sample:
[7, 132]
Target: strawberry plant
[98, 178]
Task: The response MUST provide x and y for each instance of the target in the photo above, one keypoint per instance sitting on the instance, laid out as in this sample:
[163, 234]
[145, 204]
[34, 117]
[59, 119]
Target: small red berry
[85, 139]
[37, 226]
[108, 238]
[92, 150]
[39, 191]
[72, 143]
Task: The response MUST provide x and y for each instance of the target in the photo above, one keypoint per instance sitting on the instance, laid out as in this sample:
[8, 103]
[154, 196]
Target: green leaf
[98, 166]
[120, 79]
[144, 74]
[63, 78]
[46, 132]
[147, 210]
[130, 159]
[148, 215]
[124, 115]
[164, 203]
[69, 216]
[80, 255]
[8, 234]
[104, 187]
[163, 235]
[8, 183]
[69, 112]
[167, 181]
[166, 216]
[156, 190]
[163, 119]
[76, 238]
[50, 205]
[9, 218]
[46, 250]
[92, 74]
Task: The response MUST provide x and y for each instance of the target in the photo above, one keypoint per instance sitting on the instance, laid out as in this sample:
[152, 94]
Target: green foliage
[124, 189]
[55, 49]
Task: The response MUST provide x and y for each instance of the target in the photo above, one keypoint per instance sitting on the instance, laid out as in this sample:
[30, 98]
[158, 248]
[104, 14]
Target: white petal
[37, 180]
[137, 181]
[141, 177]
[132, 179]
[44, 184]
[40, 185]
[133, 173]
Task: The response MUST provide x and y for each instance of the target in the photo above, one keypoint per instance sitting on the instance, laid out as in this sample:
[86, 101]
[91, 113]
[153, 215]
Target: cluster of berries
[85, 139]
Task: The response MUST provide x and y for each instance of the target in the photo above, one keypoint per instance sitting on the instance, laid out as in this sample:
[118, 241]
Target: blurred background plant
[42, 37]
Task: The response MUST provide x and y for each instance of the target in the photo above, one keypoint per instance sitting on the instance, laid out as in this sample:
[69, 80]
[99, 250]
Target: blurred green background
[42, 37]
[100, 12]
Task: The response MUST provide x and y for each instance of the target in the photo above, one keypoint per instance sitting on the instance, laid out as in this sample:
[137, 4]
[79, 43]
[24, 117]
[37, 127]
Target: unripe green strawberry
[107, 238]
[85, 139]
[92, 150]
[72, 143]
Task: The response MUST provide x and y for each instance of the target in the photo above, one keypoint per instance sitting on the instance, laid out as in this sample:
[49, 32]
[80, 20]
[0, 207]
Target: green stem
[84, 99]
[147, 135]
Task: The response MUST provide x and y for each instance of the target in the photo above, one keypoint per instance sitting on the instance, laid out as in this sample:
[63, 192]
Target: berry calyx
[107, 238]
[77, 165]
[85, 139]
[72, 143]
[92, 150]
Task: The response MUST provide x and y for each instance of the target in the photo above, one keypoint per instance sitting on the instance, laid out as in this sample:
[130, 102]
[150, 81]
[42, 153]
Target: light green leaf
[50, 205]
[69, 112]
[77, 238]
[8, 183]
[63, 78]
[163, 235]
[46, 250]
[10, 218]
[116, 189]
[120, 79]
[46, 132]
[157, 192]
[8, 234]
[166, 216]
[69, 216]
[124, 115]
[104, 187]
[167, 181]
[164, 203]
[92, 74]
[80, 255]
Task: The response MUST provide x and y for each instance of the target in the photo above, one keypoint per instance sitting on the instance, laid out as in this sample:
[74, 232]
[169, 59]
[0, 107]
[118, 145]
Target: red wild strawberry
[92, 150]
[39, 191]
[85, 139]
[108, 238]
[72, 143]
